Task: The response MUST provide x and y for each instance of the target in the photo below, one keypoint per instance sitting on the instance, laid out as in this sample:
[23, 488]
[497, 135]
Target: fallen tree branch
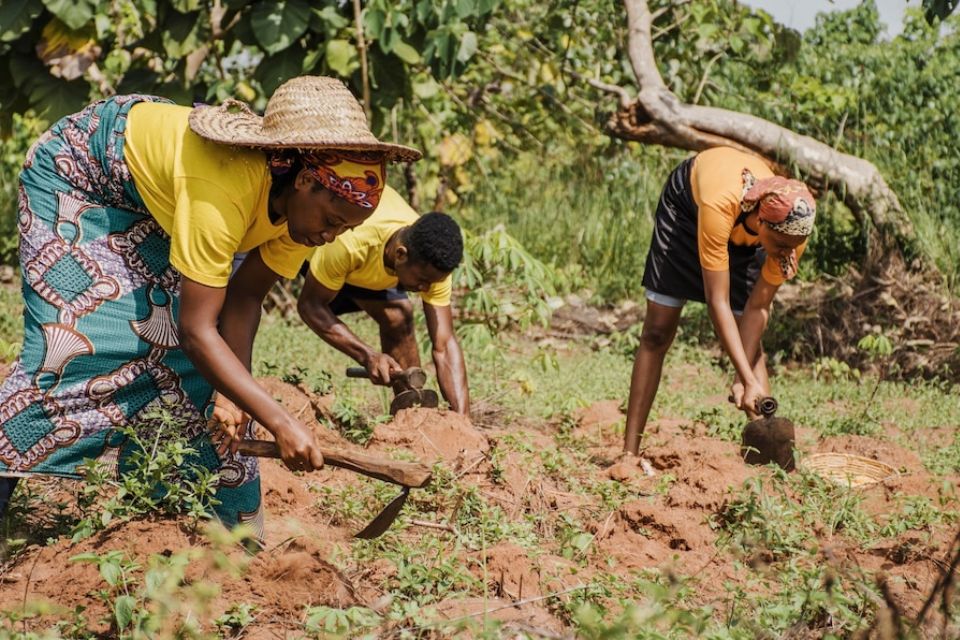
[657, 116]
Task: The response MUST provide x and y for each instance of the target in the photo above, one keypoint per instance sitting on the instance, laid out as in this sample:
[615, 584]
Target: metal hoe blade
[385, 518]
[414, 398]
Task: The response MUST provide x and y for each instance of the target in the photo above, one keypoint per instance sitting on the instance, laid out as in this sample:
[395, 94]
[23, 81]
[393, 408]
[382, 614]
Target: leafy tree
[59, 54]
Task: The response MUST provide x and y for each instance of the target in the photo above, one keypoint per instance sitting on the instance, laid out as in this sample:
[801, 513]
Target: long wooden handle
[412, 376]
[406, 474]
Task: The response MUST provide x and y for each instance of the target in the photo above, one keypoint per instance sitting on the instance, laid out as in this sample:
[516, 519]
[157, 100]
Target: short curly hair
[435, 239]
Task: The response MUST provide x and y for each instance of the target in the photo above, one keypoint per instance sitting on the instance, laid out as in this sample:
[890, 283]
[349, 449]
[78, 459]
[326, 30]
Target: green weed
[158, 475]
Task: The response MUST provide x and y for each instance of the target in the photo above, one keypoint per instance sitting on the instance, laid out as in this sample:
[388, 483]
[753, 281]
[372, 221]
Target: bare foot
[629, 466]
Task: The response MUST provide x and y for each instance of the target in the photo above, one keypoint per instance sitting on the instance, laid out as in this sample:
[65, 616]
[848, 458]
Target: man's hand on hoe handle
[380, 368]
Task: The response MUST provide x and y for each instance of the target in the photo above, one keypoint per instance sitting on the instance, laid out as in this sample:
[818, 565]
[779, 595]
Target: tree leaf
[56, 98]
[185, 6]
[277, 25]
[934, 9]
[466, 8]
[74, 13]
[486, 6]
[16, 16]
[181, 34]
[276, 69]
[406, 52]
[342, 57]
[468, 46]
[123, 608]
[373, 23]
[327, 20]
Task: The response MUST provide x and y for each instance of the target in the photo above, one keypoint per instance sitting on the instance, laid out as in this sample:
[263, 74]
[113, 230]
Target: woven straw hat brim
[233, 123]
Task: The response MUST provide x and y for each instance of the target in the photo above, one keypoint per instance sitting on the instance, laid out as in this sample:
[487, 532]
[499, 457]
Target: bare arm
[314, 308]
[755, 316]
[242, 307]
[216, 357]
[716, 286]
[448, 357]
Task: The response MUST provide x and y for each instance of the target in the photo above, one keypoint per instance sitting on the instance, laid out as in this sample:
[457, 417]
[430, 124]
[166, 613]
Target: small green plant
[832, 370]
[350, 421]
[503, 284]
[574, 541]
[316, 380]
[120, 575]
[232, 622]
[142, 602]
[329, 622]
[721, 423]
[157, 476]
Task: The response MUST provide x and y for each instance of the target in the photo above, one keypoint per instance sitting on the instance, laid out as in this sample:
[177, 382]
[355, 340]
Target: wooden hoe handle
[406, 474]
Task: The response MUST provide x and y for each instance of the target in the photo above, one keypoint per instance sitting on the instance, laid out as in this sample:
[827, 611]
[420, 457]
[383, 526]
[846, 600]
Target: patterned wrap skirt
[101, 351]
[673, 261]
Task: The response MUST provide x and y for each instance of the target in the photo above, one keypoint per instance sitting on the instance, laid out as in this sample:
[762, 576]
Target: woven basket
[847, 469]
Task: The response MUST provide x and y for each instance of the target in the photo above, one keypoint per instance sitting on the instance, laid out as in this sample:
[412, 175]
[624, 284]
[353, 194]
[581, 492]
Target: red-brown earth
[669, 524]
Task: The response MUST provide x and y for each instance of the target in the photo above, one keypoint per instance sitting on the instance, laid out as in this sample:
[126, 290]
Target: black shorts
[345, 300]
[673, 261]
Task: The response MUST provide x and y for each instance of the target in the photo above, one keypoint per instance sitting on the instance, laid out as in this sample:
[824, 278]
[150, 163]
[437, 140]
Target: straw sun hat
[309, 112]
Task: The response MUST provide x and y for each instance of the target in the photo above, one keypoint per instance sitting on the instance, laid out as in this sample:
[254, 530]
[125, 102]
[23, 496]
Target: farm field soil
[504, 526]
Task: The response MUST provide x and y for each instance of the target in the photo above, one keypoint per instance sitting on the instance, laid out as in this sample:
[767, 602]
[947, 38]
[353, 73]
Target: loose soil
[670, 523]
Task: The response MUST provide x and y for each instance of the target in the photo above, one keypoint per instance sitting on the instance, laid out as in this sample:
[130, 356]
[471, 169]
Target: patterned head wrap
[357, 177]
[785, 205]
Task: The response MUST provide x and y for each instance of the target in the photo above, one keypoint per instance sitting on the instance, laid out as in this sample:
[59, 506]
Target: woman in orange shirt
[130, 214]
[728, 233]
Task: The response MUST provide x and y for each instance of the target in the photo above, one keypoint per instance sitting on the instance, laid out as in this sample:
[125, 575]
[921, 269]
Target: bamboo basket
[847, 469]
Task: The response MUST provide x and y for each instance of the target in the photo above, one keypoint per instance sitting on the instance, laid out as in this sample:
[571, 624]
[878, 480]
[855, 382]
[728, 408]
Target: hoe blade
[385, 518]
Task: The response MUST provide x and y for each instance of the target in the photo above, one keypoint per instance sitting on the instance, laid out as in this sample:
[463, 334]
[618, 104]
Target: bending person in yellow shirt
[371, 269]
[130, 213]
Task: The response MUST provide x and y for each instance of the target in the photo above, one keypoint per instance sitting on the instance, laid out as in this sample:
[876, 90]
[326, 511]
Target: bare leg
[760, 370]
[397, 337]
[659, 330]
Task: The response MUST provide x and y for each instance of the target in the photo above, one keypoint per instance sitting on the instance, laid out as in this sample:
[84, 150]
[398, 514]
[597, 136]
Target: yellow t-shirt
[717, 182]
[210, 198]
[356, 257]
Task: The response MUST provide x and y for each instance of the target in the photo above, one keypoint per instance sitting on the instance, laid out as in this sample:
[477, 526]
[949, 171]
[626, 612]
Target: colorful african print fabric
[101, 350]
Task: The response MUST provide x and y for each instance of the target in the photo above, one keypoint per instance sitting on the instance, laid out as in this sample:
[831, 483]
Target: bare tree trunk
[657, 116]
[362, 46]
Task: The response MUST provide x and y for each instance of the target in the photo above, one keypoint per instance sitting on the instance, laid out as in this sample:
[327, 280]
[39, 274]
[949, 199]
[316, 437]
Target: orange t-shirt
[717, 182]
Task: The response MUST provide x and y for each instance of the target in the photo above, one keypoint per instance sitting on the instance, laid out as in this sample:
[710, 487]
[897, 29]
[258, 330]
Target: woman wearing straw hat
[729, 233]
[130, 213]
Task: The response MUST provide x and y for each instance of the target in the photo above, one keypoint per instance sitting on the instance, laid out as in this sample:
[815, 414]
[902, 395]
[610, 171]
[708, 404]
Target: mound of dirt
[649, 532]
[701, 471]
[294, 576]
[521, 618]
[48, 573]
[597, 423]
[431, 435]
[305, 406]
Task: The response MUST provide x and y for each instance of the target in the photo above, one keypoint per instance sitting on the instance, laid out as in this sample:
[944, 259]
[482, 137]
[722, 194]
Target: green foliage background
[494, 91]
